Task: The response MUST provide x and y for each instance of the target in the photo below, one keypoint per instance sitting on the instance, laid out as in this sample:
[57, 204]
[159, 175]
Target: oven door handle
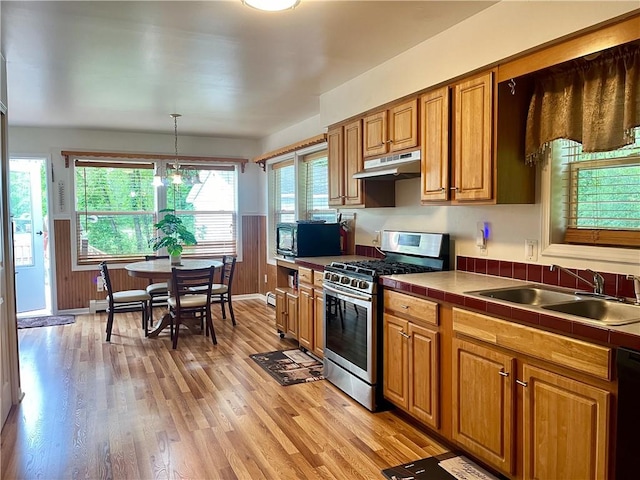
[327, 288]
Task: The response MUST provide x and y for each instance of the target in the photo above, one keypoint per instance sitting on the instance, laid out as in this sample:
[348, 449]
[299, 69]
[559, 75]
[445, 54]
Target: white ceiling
[228, 69]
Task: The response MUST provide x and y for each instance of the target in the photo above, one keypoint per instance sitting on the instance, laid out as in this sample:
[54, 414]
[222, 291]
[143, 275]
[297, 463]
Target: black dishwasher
[627, 458]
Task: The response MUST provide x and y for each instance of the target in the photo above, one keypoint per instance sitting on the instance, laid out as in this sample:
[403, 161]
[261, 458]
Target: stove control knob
[327, 276]
[345, 280]
[354, 283]
[363, 285]
[334, 277]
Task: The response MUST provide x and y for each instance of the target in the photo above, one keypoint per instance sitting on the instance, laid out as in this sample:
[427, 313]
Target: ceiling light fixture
[177, 177]
[271, 5]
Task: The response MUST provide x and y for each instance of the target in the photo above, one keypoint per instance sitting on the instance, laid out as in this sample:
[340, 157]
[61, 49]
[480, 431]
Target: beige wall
[499, 32]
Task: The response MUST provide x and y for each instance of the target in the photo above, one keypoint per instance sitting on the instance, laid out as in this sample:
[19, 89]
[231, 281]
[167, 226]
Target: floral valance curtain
[594, 102]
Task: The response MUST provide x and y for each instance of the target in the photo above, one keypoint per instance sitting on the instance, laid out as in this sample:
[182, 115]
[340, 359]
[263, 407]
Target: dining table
[161, 269]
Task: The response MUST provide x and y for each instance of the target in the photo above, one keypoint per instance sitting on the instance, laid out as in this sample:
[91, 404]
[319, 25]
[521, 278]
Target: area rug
[446, 466]
[47, 321]
[289, 367]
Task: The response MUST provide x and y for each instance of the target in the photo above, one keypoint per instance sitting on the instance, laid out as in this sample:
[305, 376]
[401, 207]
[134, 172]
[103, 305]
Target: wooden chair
[190, 297]
[158, 291]
[123, 301]
[221, 292]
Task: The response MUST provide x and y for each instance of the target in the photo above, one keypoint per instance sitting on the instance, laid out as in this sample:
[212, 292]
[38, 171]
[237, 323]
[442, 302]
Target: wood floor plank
[135, 408]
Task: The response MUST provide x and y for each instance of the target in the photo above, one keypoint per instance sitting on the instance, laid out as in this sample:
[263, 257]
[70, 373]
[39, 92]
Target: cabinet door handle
[405, 335]
[406, 307]
[389, 141]
[520, 382]
[453, 188]
[504, 374]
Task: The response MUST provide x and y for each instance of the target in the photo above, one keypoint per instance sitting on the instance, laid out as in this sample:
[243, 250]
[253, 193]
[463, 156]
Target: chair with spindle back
[221, 292]
[123, 301]
[190, 297]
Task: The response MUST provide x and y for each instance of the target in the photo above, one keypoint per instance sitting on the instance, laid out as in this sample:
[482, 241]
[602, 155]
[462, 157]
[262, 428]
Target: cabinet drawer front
[305, 275]
[318, 278]
[567, 352]
[422, 311]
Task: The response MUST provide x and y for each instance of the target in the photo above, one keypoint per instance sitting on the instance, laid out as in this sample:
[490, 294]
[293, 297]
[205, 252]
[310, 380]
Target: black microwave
[311, 239]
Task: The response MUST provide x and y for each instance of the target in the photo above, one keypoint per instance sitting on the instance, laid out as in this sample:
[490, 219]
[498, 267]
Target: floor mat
[289, 367]
[46, 321]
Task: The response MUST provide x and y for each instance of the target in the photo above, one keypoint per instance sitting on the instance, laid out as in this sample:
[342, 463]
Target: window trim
[550, 250]
[297, 157]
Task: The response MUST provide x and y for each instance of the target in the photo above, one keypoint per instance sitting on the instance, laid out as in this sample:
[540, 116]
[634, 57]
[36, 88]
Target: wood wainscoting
[76, 288]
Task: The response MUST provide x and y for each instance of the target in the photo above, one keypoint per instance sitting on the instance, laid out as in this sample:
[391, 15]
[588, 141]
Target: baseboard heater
[96, 306]
[271, 299]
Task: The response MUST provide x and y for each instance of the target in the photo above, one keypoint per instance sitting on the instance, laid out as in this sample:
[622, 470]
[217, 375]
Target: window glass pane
[602, 187]
[115, 211]
[206, 203]
[317, 189]
[285, 197]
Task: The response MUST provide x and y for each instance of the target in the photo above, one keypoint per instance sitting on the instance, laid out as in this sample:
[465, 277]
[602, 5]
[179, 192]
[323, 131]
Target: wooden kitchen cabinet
[287, 311]
[318, 323]
[411, 357]
[391, 130]
[483, 403]
[311, 312]
[345, 159]
[434, 141]
[305, 317]
[472, 150]
[564, 426]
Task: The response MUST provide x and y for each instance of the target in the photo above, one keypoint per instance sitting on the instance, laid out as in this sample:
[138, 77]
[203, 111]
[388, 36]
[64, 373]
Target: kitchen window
[598, 196]
[116, 206]
[299, 189]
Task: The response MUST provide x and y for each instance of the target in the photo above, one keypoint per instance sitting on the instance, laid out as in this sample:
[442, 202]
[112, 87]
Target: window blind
[115, 210]
[316, 187]
[206, 202]
[602, 194]
[284, 192]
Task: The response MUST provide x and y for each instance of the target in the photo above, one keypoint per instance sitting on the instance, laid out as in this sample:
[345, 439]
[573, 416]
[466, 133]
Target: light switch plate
[531, 250]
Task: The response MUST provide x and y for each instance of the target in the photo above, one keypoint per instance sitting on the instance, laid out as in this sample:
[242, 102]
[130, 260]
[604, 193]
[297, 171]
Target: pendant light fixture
[176, 178]
[272, 5]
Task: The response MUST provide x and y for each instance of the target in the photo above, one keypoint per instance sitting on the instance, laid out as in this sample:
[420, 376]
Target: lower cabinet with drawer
[564, 422]
[411, 364]
[311, 311]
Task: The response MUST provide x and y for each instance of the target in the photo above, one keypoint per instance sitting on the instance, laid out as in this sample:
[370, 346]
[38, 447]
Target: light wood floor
[135, 408]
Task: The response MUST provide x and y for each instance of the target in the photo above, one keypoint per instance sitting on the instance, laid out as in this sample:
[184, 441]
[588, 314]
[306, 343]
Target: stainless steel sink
[528, 295]
[608, 312]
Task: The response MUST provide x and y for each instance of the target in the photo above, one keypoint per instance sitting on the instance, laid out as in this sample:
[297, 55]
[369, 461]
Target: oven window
[346, 330]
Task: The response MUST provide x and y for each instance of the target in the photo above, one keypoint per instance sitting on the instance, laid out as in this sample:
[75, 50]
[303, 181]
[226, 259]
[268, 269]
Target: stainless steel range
[353, 310]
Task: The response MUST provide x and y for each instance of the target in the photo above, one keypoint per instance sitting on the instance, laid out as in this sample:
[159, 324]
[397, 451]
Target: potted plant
[175, 237]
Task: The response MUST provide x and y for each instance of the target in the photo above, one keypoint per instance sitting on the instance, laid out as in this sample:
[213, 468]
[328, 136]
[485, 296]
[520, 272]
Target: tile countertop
[451, 286]
[318, 263]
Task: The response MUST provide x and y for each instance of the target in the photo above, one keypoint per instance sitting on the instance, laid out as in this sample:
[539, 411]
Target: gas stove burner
[379, 267]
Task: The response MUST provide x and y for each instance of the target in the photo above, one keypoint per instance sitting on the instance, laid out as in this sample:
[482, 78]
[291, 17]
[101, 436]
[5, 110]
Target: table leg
[164, 322]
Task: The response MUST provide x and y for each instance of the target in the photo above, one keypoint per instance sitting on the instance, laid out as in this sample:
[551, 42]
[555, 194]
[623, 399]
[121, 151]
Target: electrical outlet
[483, 251]
[376, 239]
[99, 284]
[531, 250]
[265, 278]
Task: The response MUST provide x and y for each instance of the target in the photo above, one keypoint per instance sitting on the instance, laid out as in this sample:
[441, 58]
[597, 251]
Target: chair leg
[145, 318]
[210, 328]
[175, 334]
[109, 325]
[224, 313]
[233, 317]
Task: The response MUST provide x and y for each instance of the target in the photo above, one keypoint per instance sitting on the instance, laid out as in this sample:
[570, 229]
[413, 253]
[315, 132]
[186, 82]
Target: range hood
[392, 167]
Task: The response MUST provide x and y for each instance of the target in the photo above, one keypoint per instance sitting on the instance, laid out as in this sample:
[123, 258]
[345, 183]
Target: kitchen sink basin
[607, 312]
[528, 295]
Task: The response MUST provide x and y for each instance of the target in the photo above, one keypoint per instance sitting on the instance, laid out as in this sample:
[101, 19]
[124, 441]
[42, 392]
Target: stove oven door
[350, 334]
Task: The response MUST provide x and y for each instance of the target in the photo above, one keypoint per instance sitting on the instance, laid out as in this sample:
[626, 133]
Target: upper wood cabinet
[473, 136]
[391, 130]
[434, 140]
[345, 159]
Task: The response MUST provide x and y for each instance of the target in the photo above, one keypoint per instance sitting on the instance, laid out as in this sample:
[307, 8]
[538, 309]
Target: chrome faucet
[598, 280]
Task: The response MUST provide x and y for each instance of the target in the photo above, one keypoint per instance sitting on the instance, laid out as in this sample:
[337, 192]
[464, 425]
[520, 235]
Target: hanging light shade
[176, 178]
[271, 5]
